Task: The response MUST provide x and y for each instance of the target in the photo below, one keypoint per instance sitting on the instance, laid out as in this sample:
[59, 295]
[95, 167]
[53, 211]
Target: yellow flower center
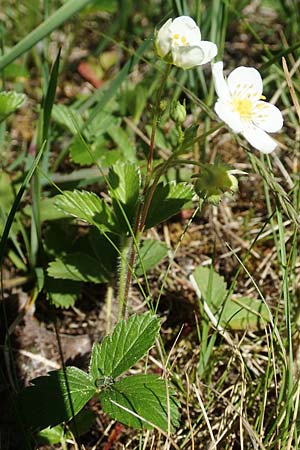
[179, 39]
[243, 106]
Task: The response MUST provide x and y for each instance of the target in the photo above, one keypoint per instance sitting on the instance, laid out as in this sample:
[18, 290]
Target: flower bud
[178, 112]
[163, 105]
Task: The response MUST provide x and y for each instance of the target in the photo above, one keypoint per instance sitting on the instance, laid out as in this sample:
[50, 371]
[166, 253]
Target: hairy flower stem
[131, 261]
[143, 208]
[122, 300]
[108, 304]
[155, 121]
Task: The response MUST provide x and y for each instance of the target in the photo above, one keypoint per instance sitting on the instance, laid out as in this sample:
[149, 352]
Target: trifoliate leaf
[167, 200]
[140, 401]
[129, 341]
[55, 398]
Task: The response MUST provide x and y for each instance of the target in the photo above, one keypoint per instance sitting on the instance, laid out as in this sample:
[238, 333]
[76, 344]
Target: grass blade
[45, 28]
[16, 203]
[50, 95]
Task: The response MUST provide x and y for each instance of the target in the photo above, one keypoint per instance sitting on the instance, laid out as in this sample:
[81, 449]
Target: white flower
[180, 40]
[240, 106]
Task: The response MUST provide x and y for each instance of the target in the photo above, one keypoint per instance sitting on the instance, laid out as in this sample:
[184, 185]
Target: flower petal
[267, 117]
[245, 82]
[163, 39]
[231, 118]
[187, 57]
[221, 86]
[259, 139]
[186, 26]
[209, 50]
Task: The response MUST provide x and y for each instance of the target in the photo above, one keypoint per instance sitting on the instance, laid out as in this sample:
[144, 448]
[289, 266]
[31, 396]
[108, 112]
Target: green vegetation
[149, 254]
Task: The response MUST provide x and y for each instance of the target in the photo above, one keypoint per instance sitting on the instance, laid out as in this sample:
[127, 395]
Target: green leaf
[101, 122]
[239, 313]
[212, 287]
[151, 253]
[100, 5]
[59, 238]
[82, 423]
[190, 135]
[55, 398]
[50, 435]
[79, 152]
[124, 189]
[9, 103]
[103, 250]
[67, 117]
[167, 200]
[86, 206]
[77, 267]
[7, 195]
[125, 346]
[79, 425]
[120, 137]
[98, 151]
[140, 401]
[62, 293]
[245, 313]
[14, 71]
[48, 212]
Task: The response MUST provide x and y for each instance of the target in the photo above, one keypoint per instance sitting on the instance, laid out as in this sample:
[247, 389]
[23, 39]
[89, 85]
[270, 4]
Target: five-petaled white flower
[240, 106]
[179, 41]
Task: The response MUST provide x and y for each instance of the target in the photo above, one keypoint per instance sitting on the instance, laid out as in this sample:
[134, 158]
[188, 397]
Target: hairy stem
[108, 303]
[141, 214]
[122, 300]
[155, 121]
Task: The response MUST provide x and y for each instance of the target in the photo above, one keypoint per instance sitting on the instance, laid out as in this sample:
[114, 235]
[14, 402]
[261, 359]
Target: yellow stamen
[243, 107]
[183, 39]
[175, 36]
[262, 97]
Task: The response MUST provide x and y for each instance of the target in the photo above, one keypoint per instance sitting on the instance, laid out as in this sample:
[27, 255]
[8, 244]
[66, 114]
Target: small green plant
[137, 150]
[135, 400]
